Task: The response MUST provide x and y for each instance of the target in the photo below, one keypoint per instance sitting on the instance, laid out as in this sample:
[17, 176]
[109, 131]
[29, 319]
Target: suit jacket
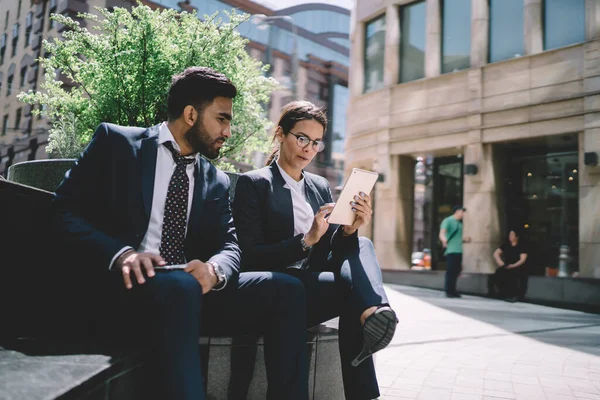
[264, 218]
[104, 202]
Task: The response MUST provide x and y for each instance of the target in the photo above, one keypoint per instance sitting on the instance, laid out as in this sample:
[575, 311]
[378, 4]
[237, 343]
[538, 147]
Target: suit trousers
[169, 313]
[346, 286]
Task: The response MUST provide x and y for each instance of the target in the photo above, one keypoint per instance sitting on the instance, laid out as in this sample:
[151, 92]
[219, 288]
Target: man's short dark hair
[197, 86]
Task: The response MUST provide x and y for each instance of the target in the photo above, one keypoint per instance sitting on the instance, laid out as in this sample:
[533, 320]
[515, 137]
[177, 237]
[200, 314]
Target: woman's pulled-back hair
[293, 113]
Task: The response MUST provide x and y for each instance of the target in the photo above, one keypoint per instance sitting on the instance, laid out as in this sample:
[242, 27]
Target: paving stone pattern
[475, 348]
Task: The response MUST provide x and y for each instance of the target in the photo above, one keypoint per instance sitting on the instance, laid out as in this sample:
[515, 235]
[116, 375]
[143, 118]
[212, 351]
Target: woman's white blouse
[303, 212]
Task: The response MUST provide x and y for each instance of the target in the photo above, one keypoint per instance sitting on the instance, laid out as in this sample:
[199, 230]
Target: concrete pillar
[480, 32]
[589, 205]
[592, 19]
[433, 46]
[482, 219]
[356, 71]
[391, 72]
[533, 26]
[393, 221]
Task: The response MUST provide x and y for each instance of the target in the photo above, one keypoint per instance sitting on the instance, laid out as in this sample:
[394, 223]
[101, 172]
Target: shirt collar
[165, 135]
[287, 178]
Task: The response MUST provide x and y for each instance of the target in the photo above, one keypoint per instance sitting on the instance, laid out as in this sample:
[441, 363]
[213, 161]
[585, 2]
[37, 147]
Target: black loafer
[378, 331]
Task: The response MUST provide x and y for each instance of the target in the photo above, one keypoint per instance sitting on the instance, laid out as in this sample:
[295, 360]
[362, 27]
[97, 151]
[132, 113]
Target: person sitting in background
[510, 258]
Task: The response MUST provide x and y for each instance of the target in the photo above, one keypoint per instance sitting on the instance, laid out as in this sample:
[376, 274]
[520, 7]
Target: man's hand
[319, 225]
[132, 261]
[444, 243]
[361, 205]
[204, 274]
[467, 239]
[511, 266]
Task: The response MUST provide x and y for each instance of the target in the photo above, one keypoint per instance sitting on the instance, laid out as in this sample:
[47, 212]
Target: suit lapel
[200, 191]
[283, 199]
[148, 154]
[312, 194]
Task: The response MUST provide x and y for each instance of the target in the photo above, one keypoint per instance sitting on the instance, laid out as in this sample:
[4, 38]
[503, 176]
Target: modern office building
[23, 26]
[321, 70]
[494, 104]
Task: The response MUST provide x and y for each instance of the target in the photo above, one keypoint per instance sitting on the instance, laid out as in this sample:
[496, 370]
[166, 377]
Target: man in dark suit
[151, 219]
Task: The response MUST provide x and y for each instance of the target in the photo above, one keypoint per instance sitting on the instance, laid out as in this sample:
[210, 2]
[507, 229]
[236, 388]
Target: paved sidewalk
[475, 348]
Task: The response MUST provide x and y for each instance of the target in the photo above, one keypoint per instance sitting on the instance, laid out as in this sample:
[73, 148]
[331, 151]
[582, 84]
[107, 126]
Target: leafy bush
[122, 71]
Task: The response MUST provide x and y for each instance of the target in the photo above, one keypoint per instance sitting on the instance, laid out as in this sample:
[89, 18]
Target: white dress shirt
[165, 166]
[303, 212]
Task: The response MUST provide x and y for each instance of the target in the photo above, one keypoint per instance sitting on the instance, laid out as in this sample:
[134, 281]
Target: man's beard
[201, 142]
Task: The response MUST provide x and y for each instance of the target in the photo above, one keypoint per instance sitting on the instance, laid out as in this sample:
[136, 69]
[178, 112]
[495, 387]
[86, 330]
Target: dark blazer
[264, 218]
[104, 202]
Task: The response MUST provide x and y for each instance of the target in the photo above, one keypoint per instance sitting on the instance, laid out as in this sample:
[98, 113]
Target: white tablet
[359, 180]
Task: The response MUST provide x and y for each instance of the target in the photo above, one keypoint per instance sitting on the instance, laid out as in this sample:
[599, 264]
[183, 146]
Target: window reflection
[456, 35]
[564, 23]
[506, 29]
[374, 51]
[412, 52]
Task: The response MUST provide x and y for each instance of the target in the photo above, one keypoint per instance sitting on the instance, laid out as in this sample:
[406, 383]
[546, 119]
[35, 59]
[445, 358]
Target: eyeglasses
[303, 141]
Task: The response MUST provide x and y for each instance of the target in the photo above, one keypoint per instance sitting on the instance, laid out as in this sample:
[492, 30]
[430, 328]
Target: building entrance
[541, 193]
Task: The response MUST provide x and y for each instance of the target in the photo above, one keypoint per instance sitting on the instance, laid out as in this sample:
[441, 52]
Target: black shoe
[453, 295]
[511, 299]
[378, 331]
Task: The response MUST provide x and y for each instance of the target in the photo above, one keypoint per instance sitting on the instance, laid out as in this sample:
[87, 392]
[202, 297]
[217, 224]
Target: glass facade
[564, 23]
[438, 187]
[412, 42]
[338, 123]
[374, 53]
[320, 21]
[282, 40]
[456, 35]
[506, 29]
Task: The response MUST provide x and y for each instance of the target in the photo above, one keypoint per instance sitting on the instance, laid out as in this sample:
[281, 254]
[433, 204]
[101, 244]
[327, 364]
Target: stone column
[533, 26]
[480, 28]
[589, 176]
[482, 219]
[393, 220]
[589, 204]
[433, 46]
[391, 72]
[592, 19]
[356, 73]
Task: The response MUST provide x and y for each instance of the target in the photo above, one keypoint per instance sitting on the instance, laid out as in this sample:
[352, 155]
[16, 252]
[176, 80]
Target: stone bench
[47, 352]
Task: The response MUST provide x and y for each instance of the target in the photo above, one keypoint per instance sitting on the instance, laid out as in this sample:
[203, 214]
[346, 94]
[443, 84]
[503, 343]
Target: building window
[564, 23]
[412, 42]
[6, 20]
[374, 53]
[506, 29]
[9, 82]
[18, 119]
[15, 39]
[2, 48]
[50, 12]
[4, 124]
[456, 35]
[28, 29]
[23, 77]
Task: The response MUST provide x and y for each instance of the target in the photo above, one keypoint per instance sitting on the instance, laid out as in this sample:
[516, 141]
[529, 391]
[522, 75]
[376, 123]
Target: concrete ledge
[573, 293]
[233, 368]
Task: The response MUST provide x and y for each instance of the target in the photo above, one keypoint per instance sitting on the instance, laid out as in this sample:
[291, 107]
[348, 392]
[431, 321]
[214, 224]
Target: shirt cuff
[123, 250]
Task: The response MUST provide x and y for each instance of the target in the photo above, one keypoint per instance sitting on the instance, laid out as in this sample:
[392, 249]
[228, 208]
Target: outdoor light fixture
[590, 158]
[471, 169]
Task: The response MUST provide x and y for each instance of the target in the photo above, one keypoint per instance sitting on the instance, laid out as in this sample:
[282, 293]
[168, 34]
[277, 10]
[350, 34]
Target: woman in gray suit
[281, 211]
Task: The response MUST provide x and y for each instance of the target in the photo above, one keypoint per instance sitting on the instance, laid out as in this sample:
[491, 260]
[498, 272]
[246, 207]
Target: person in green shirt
[451, 236]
